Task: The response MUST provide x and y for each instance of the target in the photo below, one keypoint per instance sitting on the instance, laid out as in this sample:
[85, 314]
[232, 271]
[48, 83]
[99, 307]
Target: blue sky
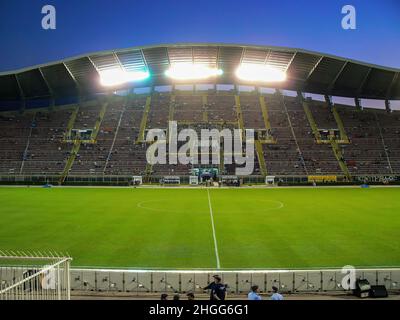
[91, 25]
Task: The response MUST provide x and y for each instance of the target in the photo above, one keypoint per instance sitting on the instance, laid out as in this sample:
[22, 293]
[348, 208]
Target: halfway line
[213, 230]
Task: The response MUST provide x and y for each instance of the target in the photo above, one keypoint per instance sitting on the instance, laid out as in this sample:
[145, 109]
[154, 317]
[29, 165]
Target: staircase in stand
[205, 110]
[239, 115]
[340, 159]
[147, 173]
[384, 144]
[25, 155]
[99, 120]
[260, 157]
[333, 142]
[312, 122]
[343, 135]
[143, 122]
[171, 110]
[114, 139]
[71, 122]
[264, 109]
[149, 166]
[77, 143]
[292, 131]
[70, 161]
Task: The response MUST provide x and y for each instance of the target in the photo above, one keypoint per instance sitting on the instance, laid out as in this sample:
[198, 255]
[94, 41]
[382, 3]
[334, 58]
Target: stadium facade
[85, 119]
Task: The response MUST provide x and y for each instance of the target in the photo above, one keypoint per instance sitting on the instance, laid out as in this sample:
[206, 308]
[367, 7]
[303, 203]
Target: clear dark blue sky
[90, 25]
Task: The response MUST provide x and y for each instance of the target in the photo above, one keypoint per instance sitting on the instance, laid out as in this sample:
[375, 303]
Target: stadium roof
[307, 71]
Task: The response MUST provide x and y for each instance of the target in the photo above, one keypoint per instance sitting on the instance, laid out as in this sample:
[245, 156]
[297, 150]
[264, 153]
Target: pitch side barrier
[138, 282]
[127, 180]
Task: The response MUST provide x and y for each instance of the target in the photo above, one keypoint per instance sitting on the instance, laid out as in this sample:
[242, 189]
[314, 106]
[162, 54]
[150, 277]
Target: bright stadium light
[259, 73]
[190, 71]
[115, 77]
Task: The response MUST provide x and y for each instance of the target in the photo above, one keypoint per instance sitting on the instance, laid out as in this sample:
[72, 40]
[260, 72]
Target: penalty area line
[213, 230]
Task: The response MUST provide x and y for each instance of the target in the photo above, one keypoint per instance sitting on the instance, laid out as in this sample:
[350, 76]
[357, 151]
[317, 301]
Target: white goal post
[270, 180]
[194, 180]
[34, 276]
[137, 180]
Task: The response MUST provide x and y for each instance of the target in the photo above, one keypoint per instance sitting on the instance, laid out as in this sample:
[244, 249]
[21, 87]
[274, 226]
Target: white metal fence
[34, 276]
[237, 281]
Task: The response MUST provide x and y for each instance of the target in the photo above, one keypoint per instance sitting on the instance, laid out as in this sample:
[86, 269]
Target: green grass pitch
[171, 228]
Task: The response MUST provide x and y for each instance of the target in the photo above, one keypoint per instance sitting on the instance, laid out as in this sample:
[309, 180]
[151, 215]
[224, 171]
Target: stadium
[76, 177]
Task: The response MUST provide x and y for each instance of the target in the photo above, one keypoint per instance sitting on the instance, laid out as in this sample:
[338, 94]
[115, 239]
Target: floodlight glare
[190, 71]
[115, 77]
[259, 73]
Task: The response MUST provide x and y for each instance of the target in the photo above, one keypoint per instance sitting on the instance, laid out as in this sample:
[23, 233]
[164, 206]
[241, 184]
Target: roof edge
[199, 44]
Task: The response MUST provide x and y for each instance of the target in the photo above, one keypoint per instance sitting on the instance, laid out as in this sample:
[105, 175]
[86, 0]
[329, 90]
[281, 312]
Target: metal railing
[137, 282]
[126, 180]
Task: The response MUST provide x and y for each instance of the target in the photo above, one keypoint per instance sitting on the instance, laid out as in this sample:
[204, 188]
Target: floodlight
[115, 77]
[190, 71]
[259, 73]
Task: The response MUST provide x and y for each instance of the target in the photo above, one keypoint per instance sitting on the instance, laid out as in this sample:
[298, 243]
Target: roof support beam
[328, 101]
[290, 62]
[242, 56]
[22, 94]
[389, 90]
[217, 59]
[53, 96]
[147, 65]
[364, 80]
[144, 59]
[118, 61]
[332, 84]
[267, 57]
[314, 68]
[167, 51]
[78, 87]
[387, 106]
[300, 96]
[357, 102]
[109, 90]
[21, 91]
[94, 65]
[305, 81]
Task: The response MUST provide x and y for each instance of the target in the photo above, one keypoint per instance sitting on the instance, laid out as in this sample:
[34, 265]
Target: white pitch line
[213, 230]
